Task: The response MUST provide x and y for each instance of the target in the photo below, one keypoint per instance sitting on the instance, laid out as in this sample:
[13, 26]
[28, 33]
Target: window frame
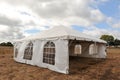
[49, 53]
[28, 52]
[93, 49]
[78, 46]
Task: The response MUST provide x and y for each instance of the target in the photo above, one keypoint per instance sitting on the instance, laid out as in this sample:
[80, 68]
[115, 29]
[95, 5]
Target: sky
[22, 18]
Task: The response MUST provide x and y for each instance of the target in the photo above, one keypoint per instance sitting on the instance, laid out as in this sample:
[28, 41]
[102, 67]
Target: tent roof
[64, 33]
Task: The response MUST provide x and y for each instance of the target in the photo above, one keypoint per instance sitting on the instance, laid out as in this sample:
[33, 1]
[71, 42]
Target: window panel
[93, 49]
[28, 51]
[49, 53]
[78, 49]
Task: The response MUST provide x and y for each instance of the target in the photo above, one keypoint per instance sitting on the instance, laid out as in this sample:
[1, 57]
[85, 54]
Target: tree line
[111, 41]
[6, 44]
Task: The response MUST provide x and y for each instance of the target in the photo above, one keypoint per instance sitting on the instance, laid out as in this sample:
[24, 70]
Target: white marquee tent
[51, 48]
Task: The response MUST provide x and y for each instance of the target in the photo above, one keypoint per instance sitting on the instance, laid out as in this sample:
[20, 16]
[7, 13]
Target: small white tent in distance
[51, 48]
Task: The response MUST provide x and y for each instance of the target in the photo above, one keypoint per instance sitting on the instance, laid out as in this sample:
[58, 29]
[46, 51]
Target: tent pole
[95, 48]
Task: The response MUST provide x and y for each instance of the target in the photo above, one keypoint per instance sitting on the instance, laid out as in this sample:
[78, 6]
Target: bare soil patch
[80, 69]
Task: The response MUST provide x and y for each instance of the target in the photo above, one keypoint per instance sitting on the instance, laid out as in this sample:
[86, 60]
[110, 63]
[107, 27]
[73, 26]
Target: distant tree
[117, 42]
[108, 38]
[3, 44]
[9, 44]
[6, 44]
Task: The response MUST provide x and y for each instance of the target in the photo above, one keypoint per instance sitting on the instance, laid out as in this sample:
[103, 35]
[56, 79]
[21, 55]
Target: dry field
[5, 50]
[80, 69]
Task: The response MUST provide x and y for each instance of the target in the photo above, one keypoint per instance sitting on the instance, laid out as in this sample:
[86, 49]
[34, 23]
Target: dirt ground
[80, 69]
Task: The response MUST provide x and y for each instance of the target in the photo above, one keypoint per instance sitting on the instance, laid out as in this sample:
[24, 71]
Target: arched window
[78, 49]
[49, 53]
[16, 52]
[93, 49]
[28, 51]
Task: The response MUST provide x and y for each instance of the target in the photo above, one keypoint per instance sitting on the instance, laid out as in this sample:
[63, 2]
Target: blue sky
[31, 31]
[111, 8]
[92, 17]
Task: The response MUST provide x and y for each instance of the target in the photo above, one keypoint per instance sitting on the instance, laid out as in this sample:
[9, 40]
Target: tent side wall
[61, 54]
[88, 49]
[98, 51]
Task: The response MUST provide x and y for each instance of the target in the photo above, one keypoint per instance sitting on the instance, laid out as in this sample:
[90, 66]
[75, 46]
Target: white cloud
[61, 10]
[113, 22]
[20, 16]
[116, 25]
[3, 28]
[77, 11]
[96, 32]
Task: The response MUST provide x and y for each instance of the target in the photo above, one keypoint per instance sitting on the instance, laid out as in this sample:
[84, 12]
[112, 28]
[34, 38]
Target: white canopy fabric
[64, 33]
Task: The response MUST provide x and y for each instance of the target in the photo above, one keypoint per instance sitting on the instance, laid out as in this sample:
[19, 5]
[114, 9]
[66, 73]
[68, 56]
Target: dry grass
[80, 69]
[113, 50]
[6, 49]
